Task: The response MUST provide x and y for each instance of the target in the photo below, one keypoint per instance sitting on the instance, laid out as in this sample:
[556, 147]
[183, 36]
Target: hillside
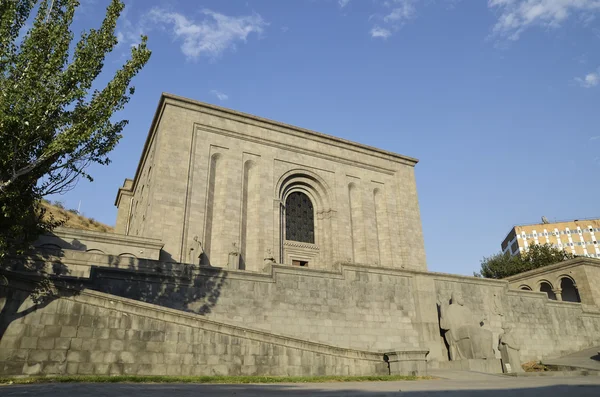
[73, 219]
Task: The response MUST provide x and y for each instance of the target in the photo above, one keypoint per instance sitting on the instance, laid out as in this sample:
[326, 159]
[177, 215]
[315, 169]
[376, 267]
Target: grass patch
[203, 379]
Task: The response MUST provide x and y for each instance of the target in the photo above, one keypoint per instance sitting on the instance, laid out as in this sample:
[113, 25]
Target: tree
[537, 255]
[53, 123]
[500, 265]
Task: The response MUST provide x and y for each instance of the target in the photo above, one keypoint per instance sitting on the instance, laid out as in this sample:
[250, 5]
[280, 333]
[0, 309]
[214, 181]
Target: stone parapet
[93, 242]
[354, 307]
[402, 362]
[95, 333]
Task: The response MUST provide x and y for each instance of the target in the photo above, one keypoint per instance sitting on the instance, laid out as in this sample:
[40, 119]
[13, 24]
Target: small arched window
[547, 288]
[569, 291]
[299, 218]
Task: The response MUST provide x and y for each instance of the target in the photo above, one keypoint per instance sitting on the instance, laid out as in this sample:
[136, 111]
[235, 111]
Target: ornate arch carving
[560, 277]
[300, 180]
[309, 183]
[544, 281]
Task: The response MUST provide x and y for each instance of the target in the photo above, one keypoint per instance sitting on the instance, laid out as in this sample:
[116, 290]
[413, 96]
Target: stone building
[244, 246]
[243, 189]
[567, 281]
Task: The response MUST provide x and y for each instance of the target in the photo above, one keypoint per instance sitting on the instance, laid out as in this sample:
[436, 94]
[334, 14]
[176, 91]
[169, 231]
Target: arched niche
[546, 287]
[307, 189]
[251, 225]
[569, 290]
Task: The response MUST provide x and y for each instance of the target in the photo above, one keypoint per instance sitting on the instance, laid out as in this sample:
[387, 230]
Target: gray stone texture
[116, 245]
[222, 176]
[351, 316]
[143, 339]
[220, 297]
[583, 273]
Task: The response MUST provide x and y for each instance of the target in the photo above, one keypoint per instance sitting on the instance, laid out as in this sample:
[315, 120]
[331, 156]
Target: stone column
[278, 232]
[558, 293]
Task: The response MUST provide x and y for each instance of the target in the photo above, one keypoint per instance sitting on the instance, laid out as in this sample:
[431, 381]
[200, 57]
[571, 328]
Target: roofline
[167, 96]
[561, 221]
[568, 263]
[551, 223]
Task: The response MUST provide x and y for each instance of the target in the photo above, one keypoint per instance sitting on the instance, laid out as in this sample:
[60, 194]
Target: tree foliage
[53, 122]
[537, 255]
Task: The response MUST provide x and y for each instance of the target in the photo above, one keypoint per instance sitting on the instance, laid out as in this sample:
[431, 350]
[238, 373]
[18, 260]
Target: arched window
[547, 288]
[525, 287]
[299, 218]
[569, 291]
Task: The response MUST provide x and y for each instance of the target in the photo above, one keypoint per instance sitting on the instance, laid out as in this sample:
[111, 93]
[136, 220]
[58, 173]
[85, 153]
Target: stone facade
[356, 315]
[94, 333]
[202, 279]
[63, 238]
[217, 180]
[575, 280]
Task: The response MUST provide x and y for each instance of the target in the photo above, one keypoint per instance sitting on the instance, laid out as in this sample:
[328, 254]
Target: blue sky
[497, 99]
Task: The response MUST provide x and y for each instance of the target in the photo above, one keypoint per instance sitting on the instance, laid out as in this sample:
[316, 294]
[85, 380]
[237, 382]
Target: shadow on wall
[173, 285]
[30, 285]
[57, 243]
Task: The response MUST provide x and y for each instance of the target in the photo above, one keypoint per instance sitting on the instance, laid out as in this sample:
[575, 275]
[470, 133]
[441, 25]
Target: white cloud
[590, 80]
[211, 35]
[404, 9]
[222, 97]
[518, 15]
[120, 38]
[394, 15]
[128, 32]
[378, 32]
[343, 3]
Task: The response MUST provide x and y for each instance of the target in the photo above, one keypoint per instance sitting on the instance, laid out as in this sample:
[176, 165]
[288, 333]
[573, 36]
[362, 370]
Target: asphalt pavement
[489, 386]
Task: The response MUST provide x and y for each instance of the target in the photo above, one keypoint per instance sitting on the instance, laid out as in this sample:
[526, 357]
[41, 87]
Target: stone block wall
[118, 245]
[544, 328]
[355, 308]
[592, 273]
[568, 280]
[220, 177]
[359, 308]
[95, 333]
[548, 328]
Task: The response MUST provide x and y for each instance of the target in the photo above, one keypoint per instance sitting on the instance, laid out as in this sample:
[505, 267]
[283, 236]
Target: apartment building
[579, 236]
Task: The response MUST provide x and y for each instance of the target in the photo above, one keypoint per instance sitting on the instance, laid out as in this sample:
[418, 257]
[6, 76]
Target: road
[497, 386]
